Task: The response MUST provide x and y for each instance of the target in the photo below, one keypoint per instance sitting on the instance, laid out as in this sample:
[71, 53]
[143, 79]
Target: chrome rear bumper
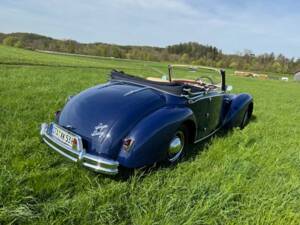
[96, 163]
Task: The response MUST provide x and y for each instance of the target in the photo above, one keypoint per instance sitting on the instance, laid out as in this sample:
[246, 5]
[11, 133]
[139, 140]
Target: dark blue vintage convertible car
[134, 122]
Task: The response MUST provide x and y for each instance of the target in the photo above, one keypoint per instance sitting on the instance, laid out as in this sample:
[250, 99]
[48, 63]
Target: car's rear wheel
[177, 145]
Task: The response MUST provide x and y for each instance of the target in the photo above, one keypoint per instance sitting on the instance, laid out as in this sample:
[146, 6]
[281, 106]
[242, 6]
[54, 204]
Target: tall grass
[249, 176]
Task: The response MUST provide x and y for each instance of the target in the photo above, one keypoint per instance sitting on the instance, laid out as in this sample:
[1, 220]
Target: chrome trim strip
[212, 133]
[100, 86]
[136, 91]
[198, 98]
[193, 66]
[96, 163]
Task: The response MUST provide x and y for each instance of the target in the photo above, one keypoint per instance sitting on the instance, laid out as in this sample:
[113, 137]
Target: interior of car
[176, 86]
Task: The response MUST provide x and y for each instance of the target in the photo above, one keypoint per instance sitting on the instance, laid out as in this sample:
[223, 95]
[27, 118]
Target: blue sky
[235, 25]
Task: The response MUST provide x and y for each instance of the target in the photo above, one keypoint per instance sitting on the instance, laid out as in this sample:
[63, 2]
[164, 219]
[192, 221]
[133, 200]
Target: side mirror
[229, 88]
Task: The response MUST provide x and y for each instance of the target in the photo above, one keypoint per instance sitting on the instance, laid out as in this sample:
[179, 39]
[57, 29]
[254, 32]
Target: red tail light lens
[127, 144]
[74, 144]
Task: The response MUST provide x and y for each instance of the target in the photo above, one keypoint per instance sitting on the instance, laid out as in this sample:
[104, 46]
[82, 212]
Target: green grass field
[249, 176]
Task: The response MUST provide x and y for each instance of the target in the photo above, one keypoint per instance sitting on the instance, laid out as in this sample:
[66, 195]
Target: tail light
[127, 144]
[74, 143]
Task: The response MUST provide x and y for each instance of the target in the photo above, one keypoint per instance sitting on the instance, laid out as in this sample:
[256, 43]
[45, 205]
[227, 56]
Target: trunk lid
[103, 115]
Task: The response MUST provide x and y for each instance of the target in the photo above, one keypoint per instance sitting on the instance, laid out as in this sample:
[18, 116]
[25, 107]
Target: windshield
[206, 78]
[206, 75]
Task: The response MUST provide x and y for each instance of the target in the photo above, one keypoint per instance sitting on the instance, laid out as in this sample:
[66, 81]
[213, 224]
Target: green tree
[19, 44]
[233, 65]
[185, 58]
[10, 41]
[276, 67]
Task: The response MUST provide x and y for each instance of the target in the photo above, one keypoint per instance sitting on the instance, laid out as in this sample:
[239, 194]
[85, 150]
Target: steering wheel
[199, 79]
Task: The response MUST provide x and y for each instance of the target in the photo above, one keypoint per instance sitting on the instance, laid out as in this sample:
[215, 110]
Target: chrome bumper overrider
[96, 163]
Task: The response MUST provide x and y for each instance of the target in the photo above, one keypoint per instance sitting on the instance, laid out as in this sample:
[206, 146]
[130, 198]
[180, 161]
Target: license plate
[65, 137]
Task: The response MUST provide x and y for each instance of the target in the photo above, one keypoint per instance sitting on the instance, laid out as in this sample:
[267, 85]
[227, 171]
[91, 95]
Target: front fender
[152, 136]
[238, 106]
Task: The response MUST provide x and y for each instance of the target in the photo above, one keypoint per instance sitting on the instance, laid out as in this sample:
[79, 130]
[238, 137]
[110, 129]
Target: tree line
[191, 53]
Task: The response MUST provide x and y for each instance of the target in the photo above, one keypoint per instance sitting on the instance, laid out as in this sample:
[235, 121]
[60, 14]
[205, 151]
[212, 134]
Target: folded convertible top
[170, 87]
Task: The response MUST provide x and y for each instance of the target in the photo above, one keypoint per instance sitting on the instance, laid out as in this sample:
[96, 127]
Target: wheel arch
[152, 135]
[238, 106]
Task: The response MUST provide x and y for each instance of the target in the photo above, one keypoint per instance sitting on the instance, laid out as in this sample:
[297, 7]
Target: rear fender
[238, 106]
[152, 136]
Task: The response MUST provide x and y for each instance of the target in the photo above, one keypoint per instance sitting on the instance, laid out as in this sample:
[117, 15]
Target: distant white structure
[285, 78]
[251, 74]
[297, 76]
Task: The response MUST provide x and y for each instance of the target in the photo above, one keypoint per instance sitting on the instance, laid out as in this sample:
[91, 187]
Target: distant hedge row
[191, 52]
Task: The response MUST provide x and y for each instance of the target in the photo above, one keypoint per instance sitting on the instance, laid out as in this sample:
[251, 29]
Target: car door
[215, 104]
[207, 110]
[200, 107]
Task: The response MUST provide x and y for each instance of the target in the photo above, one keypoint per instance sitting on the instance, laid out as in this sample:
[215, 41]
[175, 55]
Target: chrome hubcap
[176, 146]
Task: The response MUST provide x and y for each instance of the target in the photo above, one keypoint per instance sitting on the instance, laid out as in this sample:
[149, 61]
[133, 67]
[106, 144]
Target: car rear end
[70, 145]
[93, 125]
